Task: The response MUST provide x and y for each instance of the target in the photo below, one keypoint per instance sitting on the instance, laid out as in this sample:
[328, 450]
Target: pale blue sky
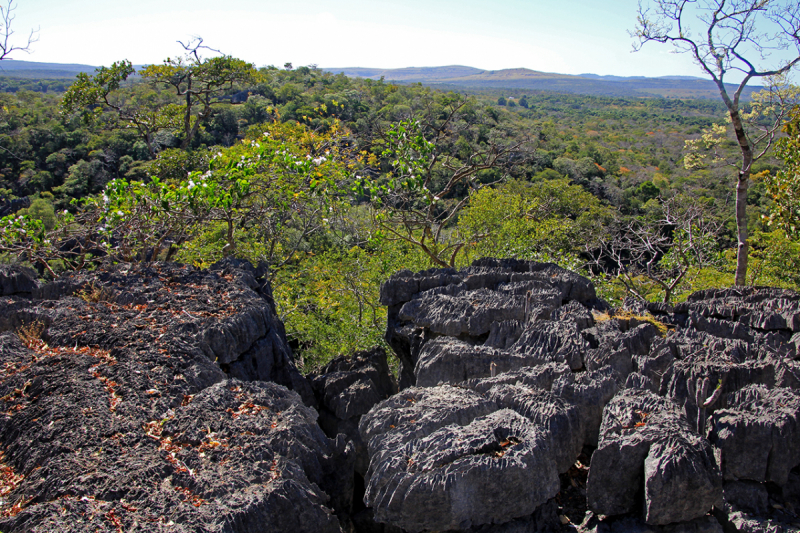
[567, 36]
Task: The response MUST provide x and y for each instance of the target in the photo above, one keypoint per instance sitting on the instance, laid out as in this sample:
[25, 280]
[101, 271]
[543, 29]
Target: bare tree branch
[736, 34]
[7, 45]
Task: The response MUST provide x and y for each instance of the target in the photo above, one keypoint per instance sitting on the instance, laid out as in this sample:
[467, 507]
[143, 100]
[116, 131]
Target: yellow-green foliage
[525, 220]
[622, 314]
[329, 302]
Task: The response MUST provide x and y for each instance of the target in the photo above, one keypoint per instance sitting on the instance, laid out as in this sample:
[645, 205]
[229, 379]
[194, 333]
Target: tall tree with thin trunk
[747, 39]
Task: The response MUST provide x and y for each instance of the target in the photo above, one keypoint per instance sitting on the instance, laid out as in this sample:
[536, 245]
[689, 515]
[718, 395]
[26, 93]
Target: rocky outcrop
[17, 280]
[348, 387]
[647, 443]
[165, 398]
[487, 304]
[683, 409]
[124, 408]
[758, 434]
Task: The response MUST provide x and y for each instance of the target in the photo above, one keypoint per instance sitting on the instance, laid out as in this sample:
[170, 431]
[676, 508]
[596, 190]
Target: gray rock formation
[758, 434]
[463, 475]
[489, 304]
[17, 280]
[121, 410]
[348, 387]
[163, 397]
[647, 452]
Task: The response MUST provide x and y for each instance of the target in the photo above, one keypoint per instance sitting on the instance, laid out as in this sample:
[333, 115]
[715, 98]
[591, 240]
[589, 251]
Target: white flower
[318, 161]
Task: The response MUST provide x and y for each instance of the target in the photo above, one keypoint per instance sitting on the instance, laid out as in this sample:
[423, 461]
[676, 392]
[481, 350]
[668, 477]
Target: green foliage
[147, 111]
[199, 82]
[41, 209]
[544, 219]
[434, 169]
[264, 185]
[330, 304]
[784, 187]
[774, 260]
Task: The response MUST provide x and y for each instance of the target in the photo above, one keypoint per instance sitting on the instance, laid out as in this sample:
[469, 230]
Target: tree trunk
[187, 119]
[742, 248]
[743, 183]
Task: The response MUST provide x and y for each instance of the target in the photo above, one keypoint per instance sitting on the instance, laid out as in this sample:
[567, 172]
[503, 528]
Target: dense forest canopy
[337, 182]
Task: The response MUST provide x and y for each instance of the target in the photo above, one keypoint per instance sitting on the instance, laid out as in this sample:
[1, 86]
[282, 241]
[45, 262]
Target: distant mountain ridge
[460, 76]
[31, 69]
[527, 79]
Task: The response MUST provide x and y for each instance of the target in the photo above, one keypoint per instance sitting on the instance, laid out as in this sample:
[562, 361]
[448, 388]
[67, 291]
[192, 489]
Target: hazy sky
[566, 36]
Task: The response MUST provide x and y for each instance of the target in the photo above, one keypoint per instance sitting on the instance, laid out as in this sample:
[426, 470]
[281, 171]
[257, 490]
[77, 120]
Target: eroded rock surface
[534, 339]
[121, 408]
[646, 443]
[348, 387]
[164, 398]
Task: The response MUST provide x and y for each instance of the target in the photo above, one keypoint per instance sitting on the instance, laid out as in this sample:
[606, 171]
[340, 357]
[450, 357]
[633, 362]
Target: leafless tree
[640, 252]
[7, 45]
[729, 37]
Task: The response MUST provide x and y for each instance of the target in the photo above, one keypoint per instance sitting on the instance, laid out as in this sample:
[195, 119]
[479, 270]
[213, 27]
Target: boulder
[648, 453]
[416, 413]
[590, 392]
[461, 476]
[490, 303]
[758, 434]
[16, 279]
[561, 420]
[116, 415]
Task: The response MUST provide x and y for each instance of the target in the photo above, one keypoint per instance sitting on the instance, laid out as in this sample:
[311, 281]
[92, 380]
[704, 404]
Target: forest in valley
[335, 183]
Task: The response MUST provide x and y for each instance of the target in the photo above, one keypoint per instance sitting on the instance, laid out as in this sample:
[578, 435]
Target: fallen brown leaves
[9, 481]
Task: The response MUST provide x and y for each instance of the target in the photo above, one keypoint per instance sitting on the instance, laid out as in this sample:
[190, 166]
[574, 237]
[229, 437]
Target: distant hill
[31, 69]
[526, 79]
[455, 76]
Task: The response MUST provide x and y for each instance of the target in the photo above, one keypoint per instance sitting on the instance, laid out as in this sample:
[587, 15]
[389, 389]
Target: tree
[655, 254]
[264, 193]
[145, 111]
[199, 82]
[724, 37]
[7, 46]
[547, 220]
[434, 169]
